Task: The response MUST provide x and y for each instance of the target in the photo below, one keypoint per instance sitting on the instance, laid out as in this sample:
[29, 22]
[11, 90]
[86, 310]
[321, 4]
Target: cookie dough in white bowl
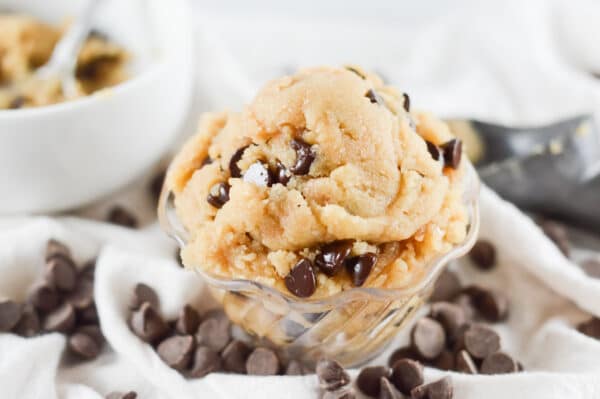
[64, 155]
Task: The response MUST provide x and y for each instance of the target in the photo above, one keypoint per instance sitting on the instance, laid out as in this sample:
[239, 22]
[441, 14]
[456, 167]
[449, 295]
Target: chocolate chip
[434, 150]
[294, 367]
[122, 217]
[360, 267]
[88, 270]
[93, 331]
[214, 332]
[450, 316]
[56, 248]
[331, 375]
[10, 314]
[88, 315]
[61, 319]
[144, 293]
[591, 267]
[374, 97]
[17, 102]
[406, 103]
[147, 324]
[29, 323]
[446, 287]
[281, 174]
[441, 389]
[301, 281]
[480, 341]
[234, 357]
[205, 362]
[304, 157]
[332, 256]
[120, 395]
[44, 297]
[259, 174]
[483, 255]
[262, 361]
[176, 351]
[83, 345]
[406, 375]
[491, 305]
[83, 294]
[444, 361]
[387, 390]
[466, 304]
[428, 338]
[465, 363]
[187, 321]
[156, 185]
[406, 352]
[452, 151]
[234, 170]
[499, 363]
[590, 327]
[218, 195]
[558, 235]
[61, 273]
[356, 72]
[368, 380]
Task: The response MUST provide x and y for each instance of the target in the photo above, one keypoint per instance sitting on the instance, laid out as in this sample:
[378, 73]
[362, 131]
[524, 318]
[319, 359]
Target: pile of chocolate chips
[62, 302]
[196, 345]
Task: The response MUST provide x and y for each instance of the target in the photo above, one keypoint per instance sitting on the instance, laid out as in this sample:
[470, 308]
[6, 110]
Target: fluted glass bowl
[352, 326]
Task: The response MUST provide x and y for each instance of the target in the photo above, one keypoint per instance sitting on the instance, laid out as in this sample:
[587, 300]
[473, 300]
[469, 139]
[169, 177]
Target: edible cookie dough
[325, 182]
[26, 44]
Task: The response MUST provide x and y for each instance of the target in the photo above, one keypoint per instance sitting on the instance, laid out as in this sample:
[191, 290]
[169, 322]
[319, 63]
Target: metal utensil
[553, 169]
[63, 61]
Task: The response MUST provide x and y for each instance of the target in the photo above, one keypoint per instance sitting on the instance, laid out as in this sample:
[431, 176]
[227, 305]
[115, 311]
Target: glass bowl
[352, 326]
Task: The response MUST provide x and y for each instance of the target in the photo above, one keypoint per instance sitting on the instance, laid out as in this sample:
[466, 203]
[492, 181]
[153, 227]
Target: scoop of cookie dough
[325, 182]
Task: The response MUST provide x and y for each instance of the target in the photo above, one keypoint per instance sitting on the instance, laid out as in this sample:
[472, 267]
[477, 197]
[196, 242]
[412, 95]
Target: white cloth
[511, 61]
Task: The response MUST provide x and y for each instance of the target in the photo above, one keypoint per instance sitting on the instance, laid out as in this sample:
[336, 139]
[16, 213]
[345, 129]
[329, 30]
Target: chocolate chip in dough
[387, 390]
[368, 380]
[176, 351]
[281, 174]
[121, 395]
[331, 375]
[406, 105]
[56, 248]
[440, 389]
[374, 97]
[44, 297]
[259, 174]
[144, 293]
[83, 294]
[447, 287]
[591, 267]
[558, 234]
[406, 375]
[304, 157]
[147, 324]
[499, 363]
[262, 361]
[122, 217]
[61, 319]
[234, 170]
[465, 363]
[205, 362]
[218, 195]
[406, 352]
[301, 281]
[450, 316]
[214, 332]
[60, 273]
[187, 321]
[452, 151]
[590, 327]
[428, 338]
[29, 324]
[360, 267]
[234, 357]
[332, 256]
[483, 255]
[480, 341]
[83, 345]
[434, 150]
[10, 314]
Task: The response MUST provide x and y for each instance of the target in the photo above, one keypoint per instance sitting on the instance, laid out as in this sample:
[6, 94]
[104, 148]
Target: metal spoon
[63, 62]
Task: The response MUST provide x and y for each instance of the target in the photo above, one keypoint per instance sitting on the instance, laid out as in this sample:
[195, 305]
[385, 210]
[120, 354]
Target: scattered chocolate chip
[406, 352]
[281, 174]
[121, 395]
[218, 195]
[499, 363]
[465, 363]
[214, 332]
[10, 314]
[483, 255]
[558, 234]
[360, 267]
[434, 150]
[466, 304]
[17, 102]
[441, 389]
[56, 248]
[332, 256]
[491, 305]
[147, 324]
[144, 293]
[259, 174]
[61, 319]
[29, 323]
[176, 351]
[452, 151]
[301, 281]
[234, 170]
[591, 267]
[444, 361]
[480, 341]
[61, 273]
[428, 338]
[590, 327]
[44, 297]
[83, 294]
[304, 157]
[294, 367]
[368, 380]
[88, 270]
[331, 375]
[446, 287]
[387, 390]
[93, 331]
[156, 185]
[407, 103]
[205, 362]
[122, 217]
[406, 375]
[450, 316]
[88, 315]
[83, 345]
[262, 361]
[234, 357]
[374, 97]
[187, 321]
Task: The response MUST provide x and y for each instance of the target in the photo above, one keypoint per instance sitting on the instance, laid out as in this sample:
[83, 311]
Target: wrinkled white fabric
[510, 61]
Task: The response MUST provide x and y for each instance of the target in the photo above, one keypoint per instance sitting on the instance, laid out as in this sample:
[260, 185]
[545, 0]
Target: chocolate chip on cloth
[262, 361]
[10, 314]
[387, 390]
[406, 352]
[406, 375]
[234, 357]
[60, 273]
[84, 345]
[368, 380]
[29, 324]
[428, 338]
[121, 395]
[148, 324]
[490, 304]
[441, 389]
[483, 255]
[301, 281]
[447, 287]
[480, 341]
[450, 316]
[465, 363]
[499, 363]
[331, 375]
[187, 321]
[82, 295]
[57, 248]
[205, 361]
[61, 319]
[590, 327]
[176, 351]
[122, 217]
[359, 267]
[144, 293]
[214, 332]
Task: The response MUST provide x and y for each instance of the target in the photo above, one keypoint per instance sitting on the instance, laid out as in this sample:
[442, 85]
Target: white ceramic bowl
[65, 155]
